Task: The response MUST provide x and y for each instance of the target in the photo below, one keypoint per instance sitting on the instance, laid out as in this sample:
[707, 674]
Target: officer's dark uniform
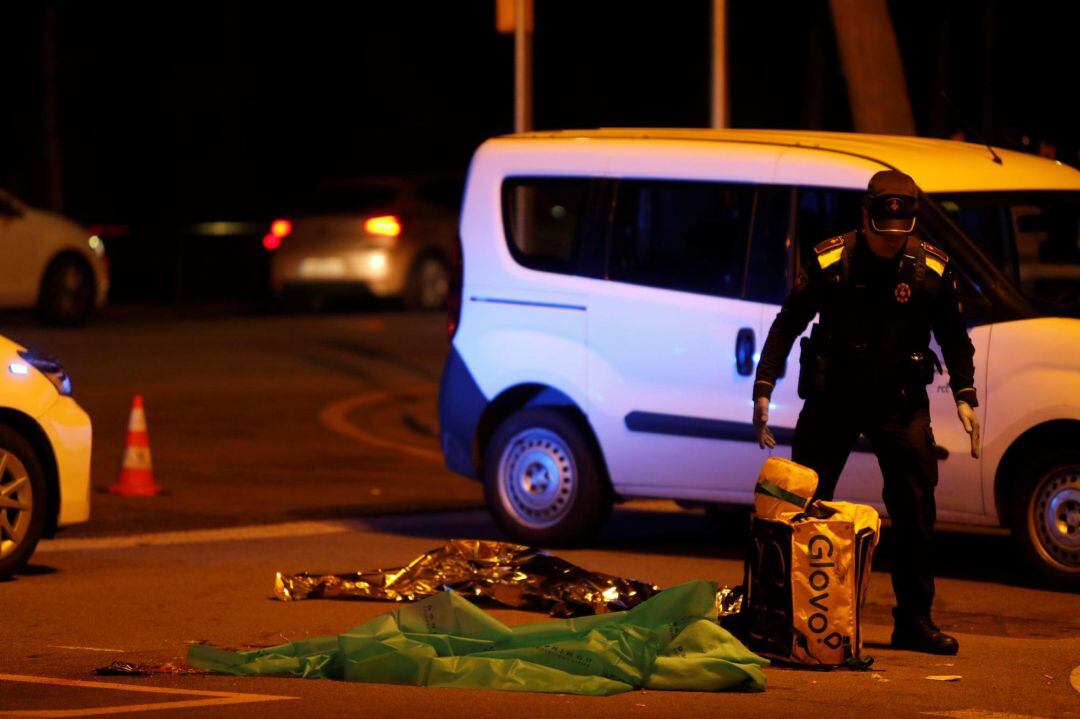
[867, 373]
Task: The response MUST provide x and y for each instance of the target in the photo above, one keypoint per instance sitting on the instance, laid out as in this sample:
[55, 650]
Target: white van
[617, 285]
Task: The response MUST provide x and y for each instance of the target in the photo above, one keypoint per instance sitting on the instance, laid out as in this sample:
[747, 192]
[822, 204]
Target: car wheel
[22, 501]
[429, 284]
[1046, 515]
[543, 481]
[67, 293]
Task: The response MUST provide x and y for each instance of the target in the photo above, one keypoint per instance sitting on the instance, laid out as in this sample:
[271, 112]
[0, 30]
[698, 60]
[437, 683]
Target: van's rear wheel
[22, 501]
[542, 481]
[1046, 515]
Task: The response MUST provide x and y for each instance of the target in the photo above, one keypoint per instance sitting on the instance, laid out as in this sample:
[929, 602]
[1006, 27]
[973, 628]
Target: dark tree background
[179, 112]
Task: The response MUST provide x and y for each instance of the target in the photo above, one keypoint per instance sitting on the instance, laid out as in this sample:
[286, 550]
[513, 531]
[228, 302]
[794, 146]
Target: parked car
[389, 238]
[44, 454]
[616, 284]
[49, 263]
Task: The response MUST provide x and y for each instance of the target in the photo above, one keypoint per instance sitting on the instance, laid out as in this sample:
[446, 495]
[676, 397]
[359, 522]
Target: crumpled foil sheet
[120, 668]
[511, 575]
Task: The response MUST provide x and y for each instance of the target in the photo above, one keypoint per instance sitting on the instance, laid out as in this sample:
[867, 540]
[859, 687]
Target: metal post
[523, 105]
[718, 115]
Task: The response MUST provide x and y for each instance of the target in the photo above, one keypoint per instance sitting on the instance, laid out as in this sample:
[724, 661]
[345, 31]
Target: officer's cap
[893, 202]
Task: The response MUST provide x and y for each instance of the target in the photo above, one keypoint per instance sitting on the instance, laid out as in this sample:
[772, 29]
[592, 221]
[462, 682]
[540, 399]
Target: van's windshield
[1033, 236]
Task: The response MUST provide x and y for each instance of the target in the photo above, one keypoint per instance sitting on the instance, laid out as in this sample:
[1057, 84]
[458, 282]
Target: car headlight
[51, 368]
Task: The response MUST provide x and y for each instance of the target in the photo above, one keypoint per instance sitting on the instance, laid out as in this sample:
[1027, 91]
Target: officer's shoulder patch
[935, 252]
[830, 244]
[935, 259]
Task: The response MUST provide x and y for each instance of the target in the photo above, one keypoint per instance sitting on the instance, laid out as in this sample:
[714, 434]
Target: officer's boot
[920, 634]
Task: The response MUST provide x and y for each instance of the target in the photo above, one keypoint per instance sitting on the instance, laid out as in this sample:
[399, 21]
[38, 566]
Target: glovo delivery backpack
[807, 571]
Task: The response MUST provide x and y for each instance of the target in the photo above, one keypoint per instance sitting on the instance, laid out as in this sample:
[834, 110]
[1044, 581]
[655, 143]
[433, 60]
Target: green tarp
[671, 641]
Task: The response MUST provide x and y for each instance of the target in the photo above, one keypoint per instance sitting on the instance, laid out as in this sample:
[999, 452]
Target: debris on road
[670, 641]
[511, 575]
[128, 669]
[945, 678]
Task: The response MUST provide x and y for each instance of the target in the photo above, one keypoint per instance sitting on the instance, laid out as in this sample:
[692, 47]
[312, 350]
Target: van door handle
[744, 351]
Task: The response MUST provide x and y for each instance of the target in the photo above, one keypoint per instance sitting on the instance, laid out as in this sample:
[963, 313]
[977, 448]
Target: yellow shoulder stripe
[935, 264]
[825, 259]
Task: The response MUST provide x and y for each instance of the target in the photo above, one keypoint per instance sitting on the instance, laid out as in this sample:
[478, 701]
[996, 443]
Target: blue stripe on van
[528, 303]
[683, 426]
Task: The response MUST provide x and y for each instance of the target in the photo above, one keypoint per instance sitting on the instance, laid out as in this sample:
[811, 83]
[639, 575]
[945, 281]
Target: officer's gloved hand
[761, 423]
[971, 426]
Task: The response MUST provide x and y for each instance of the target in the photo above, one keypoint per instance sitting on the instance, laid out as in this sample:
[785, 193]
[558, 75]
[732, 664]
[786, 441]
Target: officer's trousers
[900, 436]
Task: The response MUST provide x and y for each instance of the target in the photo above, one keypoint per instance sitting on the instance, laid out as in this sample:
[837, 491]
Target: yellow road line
[210, 698]
[335, 416]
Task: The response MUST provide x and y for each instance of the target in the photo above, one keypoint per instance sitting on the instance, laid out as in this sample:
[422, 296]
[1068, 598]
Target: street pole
[523, 26]
[718, 115]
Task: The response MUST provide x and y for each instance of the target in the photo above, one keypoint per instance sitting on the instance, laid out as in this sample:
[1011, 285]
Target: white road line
[202, 536]
[979, 714]
[211, 698]
[86, 649]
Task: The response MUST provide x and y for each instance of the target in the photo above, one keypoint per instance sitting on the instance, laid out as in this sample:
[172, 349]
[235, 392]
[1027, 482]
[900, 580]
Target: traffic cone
[136, 474]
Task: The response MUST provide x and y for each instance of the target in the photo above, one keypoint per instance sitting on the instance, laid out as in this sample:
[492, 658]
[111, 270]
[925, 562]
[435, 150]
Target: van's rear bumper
[461, 405]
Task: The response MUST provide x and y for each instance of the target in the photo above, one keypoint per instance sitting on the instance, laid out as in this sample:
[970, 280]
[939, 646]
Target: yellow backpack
[807, 571]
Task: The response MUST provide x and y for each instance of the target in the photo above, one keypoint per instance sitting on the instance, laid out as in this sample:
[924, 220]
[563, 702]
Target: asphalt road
[305, 442]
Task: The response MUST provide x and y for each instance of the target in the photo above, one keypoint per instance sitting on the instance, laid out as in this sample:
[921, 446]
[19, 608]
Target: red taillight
[280, 229]
[271, 241]
[383, 226]
[453, 298]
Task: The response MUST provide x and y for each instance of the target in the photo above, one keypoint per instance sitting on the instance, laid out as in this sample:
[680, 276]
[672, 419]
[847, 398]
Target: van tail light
[279, 230]
[383, 226]
[454, 298]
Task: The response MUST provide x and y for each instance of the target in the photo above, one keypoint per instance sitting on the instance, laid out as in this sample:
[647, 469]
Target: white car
[617, 286]
[49, 263]
[44, 454]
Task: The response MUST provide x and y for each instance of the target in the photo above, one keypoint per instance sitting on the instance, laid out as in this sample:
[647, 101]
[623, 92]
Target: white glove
[971, 426]
[761, 423]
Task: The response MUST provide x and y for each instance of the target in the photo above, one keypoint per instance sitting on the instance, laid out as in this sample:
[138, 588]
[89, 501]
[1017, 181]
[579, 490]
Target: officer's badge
[894, 204]
[902, 293]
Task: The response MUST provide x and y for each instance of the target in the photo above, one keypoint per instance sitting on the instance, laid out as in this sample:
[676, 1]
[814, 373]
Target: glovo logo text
[820, 551]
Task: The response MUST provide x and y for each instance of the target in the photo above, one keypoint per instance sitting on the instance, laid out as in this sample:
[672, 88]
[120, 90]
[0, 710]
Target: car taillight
[383, 226]
[453, 297]
[279, 230]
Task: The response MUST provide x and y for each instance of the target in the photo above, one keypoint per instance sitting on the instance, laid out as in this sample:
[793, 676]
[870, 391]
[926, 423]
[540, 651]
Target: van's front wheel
[1046, 515]
[542, 481]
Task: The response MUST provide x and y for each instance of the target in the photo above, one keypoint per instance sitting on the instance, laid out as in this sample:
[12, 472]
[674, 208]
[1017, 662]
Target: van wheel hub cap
[16, 503]
[537, 478]
[1055, 518]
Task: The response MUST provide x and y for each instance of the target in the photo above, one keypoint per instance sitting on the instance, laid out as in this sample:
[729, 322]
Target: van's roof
[936, 165]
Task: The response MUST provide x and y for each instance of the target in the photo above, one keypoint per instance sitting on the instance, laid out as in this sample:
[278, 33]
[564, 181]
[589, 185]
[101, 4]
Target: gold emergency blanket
[511, 575]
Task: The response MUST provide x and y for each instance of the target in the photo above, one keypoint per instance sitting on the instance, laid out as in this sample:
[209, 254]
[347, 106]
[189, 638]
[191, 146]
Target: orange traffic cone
[136, 474]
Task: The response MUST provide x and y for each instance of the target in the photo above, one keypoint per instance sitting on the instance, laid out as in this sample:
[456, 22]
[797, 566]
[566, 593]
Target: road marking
[335, 416]
[201, 536]
[212, 698]
[1074, 679]
[86, 649]
[979, 714]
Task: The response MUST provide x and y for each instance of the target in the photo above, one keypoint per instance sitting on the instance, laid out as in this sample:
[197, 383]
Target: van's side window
[688, 236]
[544, 218]
[771, 264]
[822, 213]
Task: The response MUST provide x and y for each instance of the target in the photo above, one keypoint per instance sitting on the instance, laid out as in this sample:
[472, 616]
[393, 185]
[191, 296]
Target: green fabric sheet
[670, 641]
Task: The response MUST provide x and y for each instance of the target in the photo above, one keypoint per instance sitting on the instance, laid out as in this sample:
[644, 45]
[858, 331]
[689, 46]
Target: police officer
[864, 370]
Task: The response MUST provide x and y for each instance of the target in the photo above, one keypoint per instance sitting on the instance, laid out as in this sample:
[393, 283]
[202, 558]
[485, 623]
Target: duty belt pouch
[806, 579]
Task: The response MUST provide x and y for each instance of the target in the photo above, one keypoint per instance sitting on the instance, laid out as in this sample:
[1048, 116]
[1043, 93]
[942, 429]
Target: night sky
[179, 112]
